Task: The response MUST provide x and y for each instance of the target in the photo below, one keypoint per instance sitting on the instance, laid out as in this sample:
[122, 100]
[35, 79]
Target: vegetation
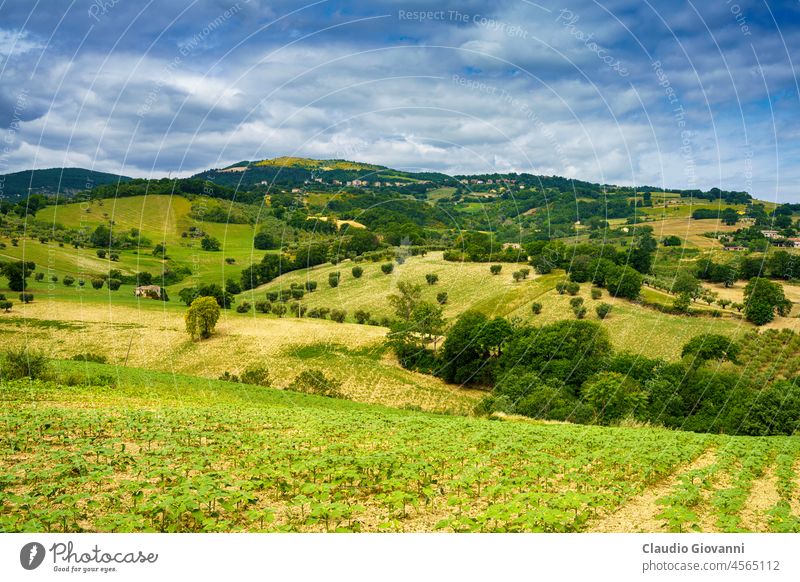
[202, 317]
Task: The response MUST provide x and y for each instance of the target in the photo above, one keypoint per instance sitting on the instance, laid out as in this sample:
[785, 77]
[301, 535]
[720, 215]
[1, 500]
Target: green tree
[603, 310]
[201, 317]
[711, 346]
[613, 395]
[333, 279]
[762, 299]
[357, 272]
[387, 268]
[17, 273]
[495, 269]
[406, 299]
[432, 278]
[441, 297]
[209, 243]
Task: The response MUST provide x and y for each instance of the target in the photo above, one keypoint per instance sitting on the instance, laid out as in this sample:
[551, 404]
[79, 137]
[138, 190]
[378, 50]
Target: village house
[150, 291]
[771, 234]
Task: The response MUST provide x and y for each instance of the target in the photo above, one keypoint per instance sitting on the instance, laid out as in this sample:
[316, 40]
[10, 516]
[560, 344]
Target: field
[163, 452]
[159, 219]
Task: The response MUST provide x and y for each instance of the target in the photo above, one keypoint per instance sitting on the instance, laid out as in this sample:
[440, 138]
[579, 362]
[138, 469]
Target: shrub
[525, 272]
[311, 286]
[297, 293]
[209, 243]
[272, 296]
[441, 297]
[596, 293]
[26, 297]
[114, 284]
[114, 256]
[39, 276]
[5, 305]
[230, 260]
[243, 307]
[361, 316]
[387, 268]
[24, 363]
[432, 278]
[357, 272]
[53, 279]
[573, 288]
[495, 269]
[228, 377]
[338, 315]
[101, 253]
[279, 309]
[575, 302]
[255, 374]
[603, 310]
[580, 312]
[536, 308]
[68, 280]
[263, 306]
[518, 276]
[90, 357]
[561, 287]
[315, 382]
[333, 279]
[97, 283]
[298, 309]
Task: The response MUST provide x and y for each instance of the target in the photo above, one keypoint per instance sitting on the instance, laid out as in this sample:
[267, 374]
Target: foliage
[603, 309]
[255, 374]
[315, 382]
[201, 317]
[24, 363]
[762, 298]
[711, 347]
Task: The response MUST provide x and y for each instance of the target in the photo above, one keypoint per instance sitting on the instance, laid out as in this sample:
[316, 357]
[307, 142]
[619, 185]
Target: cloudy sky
[672, 94]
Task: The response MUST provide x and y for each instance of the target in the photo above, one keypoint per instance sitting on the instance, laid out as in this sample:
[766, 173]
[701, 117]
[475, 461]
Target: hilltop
[64, 182]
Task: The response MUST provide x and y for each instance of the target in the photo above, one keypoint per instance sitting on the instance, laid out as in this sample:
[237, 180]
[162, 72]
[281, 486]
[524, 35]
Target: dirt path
[639, 515]
[763, 497]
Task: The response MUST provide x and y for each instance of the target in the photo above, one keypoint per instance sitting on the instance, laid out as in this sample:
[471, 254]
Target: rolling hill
[53, 181]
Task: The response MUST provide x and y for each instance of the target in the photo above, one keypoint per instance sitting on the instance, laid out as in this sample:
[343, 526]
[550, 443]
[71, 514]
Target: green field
[164, 452]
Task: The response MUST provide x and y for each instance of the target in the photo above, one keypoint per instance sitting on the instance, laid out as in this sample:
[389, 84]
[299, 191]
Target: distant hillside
[62, 181]
[291, 171]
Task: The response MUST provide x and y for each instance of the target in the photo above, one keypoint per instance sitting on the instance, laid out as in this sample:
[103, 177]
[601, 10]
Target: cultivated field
[158, 452]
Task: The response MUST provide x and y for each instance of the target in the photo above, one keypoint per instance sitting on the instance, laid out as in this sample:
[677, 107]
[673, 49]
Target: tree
[573, 288]
[613, 395]
[338, 315]
[279, 309]
[603, 310]
[26, 297]
[387, 268]
[101, 237]
[517, 275]
[17, 273]
[68, 280]
[201, 317]
[711, 346]
[311, 286]
[209, 243]
[101, 253]
[406, 300]
[561, 287]
[685, 282]
[5, 305]
[114, 284]
[427, 321]
[729, 216]
[762, 298]
[536, 308]
[362, 241]
[333, 279]
[464, 359]
[160, 250]
[431, 278]
[361, 316]
[441, 297]
[264, 241]
[624, 281]
[596, 293]
[682, 302]
[495, 269]
[671, 241]
[357, 272]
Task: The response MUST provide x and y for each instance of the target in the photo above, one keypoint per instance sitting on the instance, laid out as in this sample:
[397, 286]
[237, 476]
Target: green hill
[62, 181]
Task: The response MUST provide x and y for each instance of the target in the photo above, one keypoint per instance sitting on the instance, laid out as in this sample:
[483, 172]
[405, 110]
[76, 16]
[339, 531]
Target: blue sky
[671, 94]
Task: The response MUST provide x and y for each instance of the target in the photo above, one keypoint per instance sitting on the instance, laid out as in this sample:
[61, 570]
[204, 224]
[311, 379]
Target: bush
[387, 268]
[357, 272]
[114, 256]
[5, 305]
[580, 312]
[255, 374]
[536, 308]
[311, 286]
[333, 279]
[573, 288]
[441, 297]
[432, 278]
[39, 276]
[272, 296]
[361, 316]
[101, 253]
[90, 357]
[279, 309]
[561, 287]
[315, 382]
[495, 269]
[263, 306]
[24, 363]
[603, 310]
[338, 315]
[596, 293]
[230, 260]
[243, 307]
[228, 377]
[575, 302]
[97, 283]
[26, 297]
[114, 284]
[209, 243]
[68, 280]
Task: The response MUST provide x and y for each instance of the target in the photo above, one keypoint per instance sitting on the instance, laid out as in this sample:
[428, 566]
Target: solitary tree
[762, 298]
[495, 269]
[202, 317]
[406, 300]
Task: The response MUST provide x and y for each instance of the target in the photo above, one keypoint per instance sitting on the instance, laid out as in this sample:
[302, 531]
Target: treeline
[568, 371]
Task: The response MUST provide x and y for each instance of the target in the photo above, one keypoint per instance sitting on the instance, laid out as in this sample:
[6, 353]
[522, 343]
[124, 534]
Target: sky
[641, 92]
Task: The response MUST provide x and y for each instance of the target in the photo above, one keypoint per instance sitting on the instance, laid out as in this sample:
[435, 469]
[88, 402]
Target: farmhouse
[151, 291]
[770, 234]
